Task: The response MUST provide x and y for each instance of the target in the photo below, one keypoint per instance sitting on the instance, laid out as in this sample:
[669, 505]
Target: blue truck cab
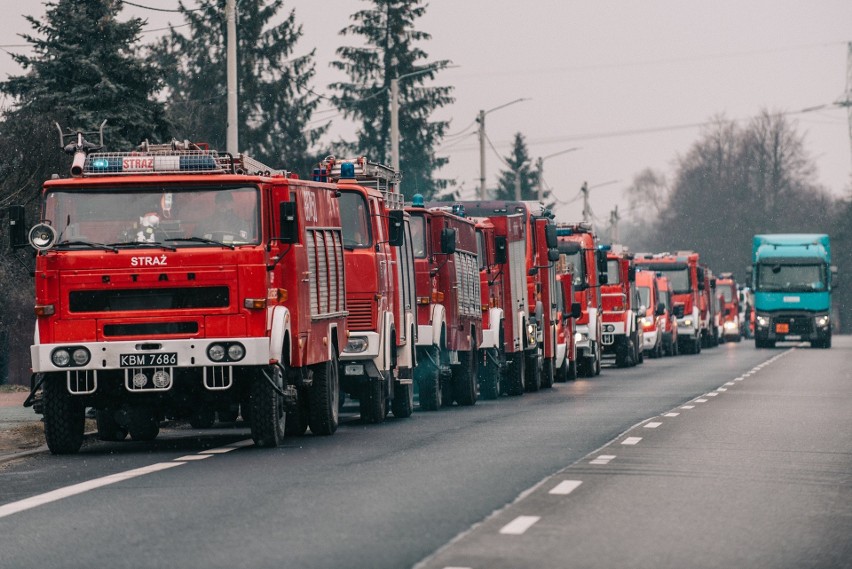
[791, 277]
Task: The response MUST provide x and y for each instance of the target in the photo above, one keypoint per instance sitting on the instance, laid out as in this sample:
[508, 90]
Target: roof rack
[368, 174]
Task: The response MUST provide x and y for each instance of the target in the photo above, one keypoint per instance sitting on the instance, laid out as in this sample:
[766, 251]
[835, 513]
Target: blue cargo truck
[791, 278]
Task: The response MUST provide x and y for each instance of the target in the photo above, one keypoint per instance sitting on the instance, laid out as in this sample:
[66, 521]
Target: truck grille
[119, 300]
[798, 325]
[361, 314]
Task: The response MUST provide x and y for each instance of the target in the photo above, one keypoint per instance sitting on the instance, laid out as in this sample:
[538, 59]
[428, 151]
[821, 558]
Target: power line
[135, 5]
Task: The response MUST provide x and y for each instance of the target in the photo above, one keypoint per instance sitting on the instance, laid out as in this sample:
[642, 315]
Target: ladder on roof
[368, 174]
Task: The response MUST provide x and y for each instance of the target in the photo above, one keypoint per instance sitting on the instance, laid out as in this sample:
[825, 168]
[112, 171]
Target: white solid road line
[519, 525]
[193, 457]
[565, 487]
[46, 498]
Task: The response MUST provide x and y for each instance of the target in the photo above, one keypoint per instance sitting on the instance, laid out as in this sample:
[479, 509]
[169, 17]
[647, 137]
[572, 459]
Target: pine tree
[390, 51]
[274, 98]
[84, 68]
[519, 169]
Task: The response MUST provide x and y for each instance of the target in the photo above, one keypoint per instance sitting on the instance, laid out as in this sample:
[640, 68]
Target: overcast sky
[626, 81]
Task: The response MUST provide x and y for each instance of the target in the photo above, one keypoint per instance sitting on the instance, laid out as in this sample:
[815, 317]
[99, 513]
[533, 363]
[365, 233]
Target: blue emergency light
[417, 201]
[347, 170]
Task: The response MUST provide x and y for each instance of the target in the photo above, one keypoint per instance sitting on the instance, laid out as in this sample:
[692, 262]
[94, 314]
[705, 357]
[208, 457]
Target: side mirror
[533, 271]
[576, 310]
[631, 274]
[603, 278]
[552, 255]
[396, 235]
[678, 311]
[550, 236]
[500, 250]
[289, 232]
[712, 283]
[661, 309]
[602, 262]
[701, 285]
[448, 241]
[17, 226]
[835, 276]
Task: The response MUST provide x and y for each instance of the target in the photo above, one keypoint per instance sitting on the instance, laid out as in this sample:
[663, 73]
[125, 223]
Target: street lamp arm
[543, 158]
[506, 105]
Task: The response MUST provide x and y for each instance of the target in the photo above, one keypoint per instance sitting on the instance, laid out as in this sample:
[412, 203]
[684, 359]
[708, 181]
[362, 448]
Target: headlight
[730, 325]
[609, 327]
[762, 321]
[61, 357]
[161, 379]
[216, 352]
[236, 352]
[687, 321]
[580, 337]
[80, 356]
[356, 344]
[646, 321]
[822, 321]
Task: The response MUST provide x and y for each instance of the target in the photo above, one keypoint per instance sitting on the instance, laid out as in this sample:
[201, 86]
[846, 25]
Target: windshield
[678, 279]
[573, 264]
[135, 216]
[355, 221]
[418, 236]
[613, 271]
[727, 293]
[802, 278]
[644, 296]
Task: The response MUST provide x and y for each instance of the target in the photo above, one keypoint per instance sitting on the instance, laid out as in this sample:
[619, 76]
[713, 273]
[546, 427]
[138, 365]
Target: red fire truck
[622, 335]
[569, 311]
[378, 360]
[709, 307]
[449, 314]
[652, 313]
[540, 253]
[588, 267]
[681, 268]
[172, 281]
[670, 343]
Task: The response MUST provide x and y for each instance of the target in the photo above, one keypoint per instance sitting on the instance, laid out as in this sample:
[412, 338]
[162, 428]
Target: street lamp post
[540, 168]
[587, 211]
[481, 120]
[232, 142]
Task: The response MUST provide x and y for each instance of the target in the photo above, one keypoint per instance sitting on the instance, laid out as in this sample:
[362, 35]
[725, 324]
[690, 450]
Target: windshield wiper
[134, 244]
[202, 240]
[103, 246]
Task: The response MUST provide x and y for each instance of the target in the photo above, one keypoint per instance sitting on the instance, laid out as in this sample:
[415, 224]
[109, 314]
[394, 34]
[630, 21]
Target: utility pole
[587, 212]
[231, 19]
[613, 225]
[481, 120]
[518, 185]
[394, 86]
[848, 102]
[539, 165]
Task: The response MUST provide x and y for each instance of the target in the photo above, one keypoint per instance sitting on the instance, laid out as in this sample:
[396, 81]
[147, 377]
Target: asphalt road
[757, 475]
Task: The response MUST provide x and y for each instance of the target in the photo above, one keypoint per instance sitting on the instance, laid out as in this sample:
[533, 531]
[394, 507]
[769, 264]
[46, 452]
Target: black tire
[402, 404]
[515, 374]
[491, 374]
[464, 378]
[296, 420]
[561, 375]
[64, 417]
[547, 372]
[108, 428]
[532, 374]
[622, 352]
[142, 424]
[597, 365]
[324, 408]
[372, 402]
[202, 418]
[267, 417]
[445, 379]
[428, 380]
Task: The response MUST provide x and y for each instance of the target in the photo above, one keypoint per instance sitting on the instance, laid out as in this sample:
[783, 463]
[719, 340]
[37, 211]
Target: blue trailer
[791, 278]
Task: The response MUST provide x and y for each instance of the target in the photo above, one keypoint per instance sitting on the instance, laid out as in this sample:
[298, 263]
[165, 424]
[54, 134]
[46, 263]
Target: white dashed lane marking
[519, 525]
[671, 414]
[701, 400]
[565, 487]
[193, 457]
[653, 425]
[631, 441]
[602, 459]
[688, 407]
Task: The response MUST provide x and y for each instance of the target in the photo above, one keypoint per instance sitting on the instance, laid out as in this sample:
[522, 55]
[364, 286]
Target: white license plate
[790, 338]
[353, 369]
[148, 360]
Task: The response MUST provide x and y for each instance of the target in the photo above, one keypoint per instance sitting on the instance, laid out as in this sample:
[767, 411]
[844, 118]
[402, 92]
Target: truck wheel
[202, 418]
[548, 372]
[372, 402]
[515, 374]
[323, 398]
[296, 420]
[64, 417]
[597, 368]
[142, 424]
[622, 352]
[490, 374]
[402, 404]
[428, 383]
[532, 375]
[464, 378]
[267, 415]
[108, 428]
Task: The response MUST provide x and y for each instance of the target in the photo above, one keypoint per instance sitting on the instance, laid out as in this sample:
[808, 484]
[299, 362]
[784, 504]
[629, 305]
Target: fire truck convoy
[149, 306]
